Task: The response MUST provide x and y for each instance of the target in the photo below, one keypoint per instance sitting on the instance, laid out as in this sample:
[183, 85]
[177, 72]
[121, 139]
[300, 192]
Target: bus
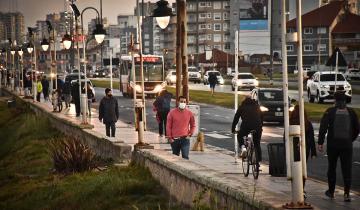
[154, 75]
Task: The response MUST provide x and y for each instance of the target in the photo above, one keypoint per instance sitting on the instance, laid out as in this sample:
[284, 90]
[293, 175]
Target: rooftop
[349, 24]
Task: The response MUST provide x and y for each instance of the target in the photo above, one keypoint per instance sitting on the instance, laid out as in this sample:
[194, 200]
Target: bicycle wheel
[255, 166]
[246, 164]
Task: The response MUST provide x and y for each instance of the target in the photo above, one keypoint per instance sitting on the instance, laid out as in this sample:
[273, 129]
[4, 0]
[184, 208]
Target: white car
[194, 74]
[321, 86]
[245, 80]
[218, 75]
[171, 77]
[352, 73]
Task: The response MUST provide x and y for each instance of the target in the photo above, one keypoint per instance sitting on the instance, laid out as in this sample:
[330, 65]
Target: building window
[321, 30]
[217, 16]
[202, 15]
[226, 38]
[308, 47]
[227, 46]
[147, 43]
[289, 30]
[209, 26]
[209, 37]
[321, 47]
[202, 26]
[217, 27]
[308, 30]
[225, 4]
[202, 38]
[217, 37]
[208, 15]
[290, 48]
[147, 36]
[209, 4]
[217, 47]
[225, 26]
[226, 16]
[202, 4]
[217, 5]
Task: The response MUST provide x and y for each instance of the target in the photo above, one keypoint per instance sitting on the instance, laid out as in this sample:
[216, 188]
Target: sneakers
[243, 152]
[347, 197]
[329, 195]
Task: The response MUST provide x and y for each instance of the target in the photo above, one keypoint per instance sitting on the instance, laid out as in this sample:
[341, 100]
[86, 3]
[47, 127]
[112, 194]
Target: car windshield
[216, 73]
[354, 71]
[192, 70]
[331, 77]
[246, 76]
[152, 72]
[271, 95]
[173, 73]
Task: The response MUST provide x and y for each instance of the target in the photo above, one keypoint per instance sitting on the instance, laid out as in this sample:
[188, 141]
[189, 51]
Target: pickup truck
[321, 86]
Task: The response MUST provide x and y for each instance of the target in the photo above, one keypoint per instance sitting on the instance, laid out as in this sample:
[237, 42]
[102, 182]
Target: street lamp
[30, 47]
[45, 44]
[67, 41]
[162, 14]
[99, 32]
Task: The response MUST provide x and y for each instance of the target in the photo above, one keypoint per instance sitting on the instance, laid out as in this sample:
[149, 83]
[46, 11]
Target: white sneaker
[243, 152]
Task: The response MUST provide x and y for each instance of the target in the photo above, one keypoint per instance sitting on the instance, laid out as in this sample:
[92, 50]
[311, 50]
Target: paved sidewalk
[222, 162]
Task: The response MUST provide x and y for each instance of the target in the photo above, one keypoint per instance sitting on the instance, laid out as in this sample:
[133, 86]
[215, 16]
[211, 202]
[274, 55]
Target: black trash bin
[277, 159]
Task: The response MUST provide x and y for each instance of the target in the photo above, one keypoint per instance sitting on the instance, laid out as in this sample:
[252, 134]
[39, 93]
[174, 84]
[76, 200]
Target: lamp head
[45, 44]
[99, 33]
[162, 14]
[67, 41]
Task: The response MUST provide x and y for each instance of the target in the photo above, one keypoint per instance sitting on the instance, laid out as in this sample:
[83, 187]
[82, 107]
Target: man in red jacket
[180, 126]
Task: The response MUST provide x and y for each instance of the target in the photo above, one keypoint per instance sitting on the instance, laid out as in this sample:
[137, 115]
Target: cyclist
[251, 117]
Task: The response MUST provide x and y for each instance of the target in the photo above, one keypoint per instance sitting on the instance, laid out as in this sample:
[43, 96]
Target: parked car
[245, 80]
[74, 76]
[194, 74]
[218, 75]
[321, 86]
[271, 101]
[171, 77]
[352, 73]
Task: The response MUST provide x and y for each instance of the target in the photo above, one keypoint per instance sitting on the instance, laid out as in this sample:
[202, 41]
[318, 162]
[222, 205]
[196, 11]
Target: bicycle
[250, 160]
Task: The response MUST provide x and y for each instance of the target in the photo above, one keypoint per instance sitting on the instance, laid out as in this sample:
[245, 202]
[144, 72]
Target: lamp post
[21, 79]
[12, 52]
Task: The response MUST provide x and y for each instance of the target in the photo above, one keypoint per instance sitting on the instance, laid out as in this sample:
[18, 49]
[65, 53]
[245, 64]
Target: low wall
[104, 148]
[193, 184]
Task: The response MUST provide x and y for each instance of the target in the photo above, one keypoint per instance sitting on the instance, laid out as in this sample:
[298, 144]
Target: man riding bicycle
[251, 117]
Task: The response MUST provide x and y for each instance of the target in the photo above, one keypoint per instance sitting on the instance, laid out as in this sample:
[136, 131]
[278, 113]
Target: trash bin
[277, 159]
[11, 103]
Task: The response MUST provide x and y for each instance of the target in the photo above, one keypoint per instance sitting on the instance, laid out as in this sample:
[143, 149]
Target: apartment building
[14, 26]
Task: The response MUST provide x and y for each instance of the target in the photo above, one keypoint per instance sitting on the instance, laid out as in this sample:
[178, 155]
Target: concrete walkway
[221, 161]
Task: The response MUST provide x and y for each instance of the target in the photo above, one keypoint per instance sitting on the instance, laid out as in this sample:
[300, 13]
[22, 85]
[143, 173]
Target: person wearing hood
[109, 112]
[180, 126]
[251, 119]
[162, 108]
[341, 125]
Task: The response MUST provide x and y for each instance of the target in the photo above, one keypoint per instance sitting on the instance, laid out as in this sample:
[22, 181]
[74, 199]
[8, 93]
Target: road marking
[206, 113]
[217, 115]
[272, 135]
[204, 129]
[358, 163]
[217, 136]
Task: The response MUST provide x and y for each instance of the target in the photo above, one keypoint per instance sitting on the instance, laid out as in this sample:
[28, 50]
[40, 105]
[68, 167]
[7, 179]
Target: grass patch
[105, 84]
[27, 180]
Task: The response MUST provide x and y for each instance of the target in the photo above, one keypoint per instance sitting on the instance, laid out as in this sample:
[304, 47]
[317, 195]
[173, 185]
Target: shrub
[70, 155]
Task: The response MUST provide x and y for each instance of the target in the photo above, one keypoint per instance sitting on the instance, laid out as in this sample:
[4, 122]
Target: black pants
[46, 93]
[345, 155]
[257, 137]
[162, 123]
[110, 126]
[77, 106]
[38, 96]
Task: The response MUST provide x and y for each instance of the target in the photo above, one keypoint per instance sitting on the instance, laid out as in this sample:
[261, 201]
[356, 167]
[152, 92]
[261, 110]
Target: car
[271, 101]
[194, 74]
[321, 86]
[171, 77]
[352, 73]
[99, 73]
[245, 80]
[218, 75]
[73, 76]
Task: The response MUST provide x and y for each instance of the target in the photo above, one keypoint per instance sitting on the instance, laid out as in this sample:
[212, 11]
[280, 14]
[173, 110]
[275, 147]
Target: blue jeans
[182, 144]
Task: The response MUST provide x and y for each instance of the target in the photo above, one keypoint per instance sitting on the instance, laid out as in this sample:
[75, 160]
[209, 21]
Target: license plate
[278, 114]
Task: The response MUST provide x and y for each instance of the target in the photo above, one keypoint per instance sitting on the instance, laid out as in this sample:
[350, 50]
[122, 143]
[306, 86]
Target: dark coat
[108, 110]
[327, 126]
[45, 84]
[213, 79]
[67, 88]
[75, 91]
[250, 114]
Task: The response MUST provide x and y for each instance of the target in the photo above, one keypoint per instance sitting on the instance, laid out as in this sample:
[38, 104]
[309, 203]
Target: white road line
[204, 129]
[272, 135]
[217, 115]
[217, 136]
[206, 113]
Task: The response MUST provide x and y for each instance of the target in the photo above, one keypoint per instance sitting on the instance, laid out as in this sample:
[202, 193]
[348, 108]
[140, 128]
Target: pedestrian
[162, 108]
[39, 89]
[251, 120]
[90, 96]
[180, 126]
[109, 112]
[45, 85]
[75, 94]
[341, 125]
[309, 135]
[66, 91]
[212, 82]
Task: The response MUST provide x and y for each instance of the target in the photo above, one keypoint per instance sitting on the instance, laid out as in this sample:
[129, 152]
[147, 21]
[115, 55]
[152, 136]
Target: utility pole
[271, 43]
[184, 57]
[236, 104]
[72, 52]
[179, 19]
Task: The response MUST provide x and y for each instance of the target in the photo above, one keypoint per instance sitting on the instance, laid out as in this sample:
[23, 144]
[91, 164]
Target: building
[128, 27]
[14, 26]
[324, 29]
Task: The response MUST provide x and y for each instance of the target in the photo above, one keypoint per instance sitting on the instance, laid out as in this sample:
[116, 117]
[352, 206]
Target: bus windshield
[152, 72]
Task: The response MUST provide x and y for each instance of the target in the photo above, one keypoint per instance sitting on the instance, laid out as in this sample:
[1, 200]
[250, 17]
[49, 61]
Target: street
[216, 124]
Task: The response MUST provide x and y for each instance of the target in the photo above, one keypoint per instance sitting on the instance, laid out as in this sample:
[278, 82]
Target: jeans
[162, 123]
[110, 126]
[257, 137]
[345, 155]
[182, 144]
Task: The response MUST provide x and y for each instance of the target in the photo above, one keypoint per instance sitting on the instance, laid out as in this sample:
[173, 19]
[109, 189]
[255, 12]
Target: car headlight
[256, 83]
[264, 109]
[291, 108]
[325, 86]
[348, 86]
[138, 88]
[158, 88]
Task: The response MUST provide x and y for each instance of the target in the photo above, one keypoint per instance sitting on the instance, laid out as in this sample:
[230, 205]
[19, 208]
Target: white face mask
[182, 105]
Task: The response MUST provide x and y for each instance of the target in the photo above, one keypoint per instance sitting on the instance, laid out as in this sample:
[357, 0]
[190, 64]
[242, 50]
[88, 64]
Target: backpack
[166, 103]
[342, 125]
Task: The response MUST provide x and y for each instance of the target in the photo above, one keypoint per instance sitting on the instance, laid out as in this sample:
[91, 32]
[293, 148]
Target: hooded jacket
[108, 110]
[250, 114]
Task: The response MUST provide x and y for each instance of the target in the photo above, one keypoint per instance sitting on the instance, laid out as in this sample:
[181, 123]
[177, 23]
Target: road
[216, 123]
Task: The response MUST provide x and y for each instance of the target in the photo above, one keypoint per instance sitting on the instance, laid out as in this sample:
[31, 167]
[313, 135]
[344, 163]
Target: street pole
[34, 79]
[111, 76]
[271, 44]
[51, 66]
[184, 57]
[55, 66]
[236, 104]
[336, 68]
[178, 51]
[285, 87]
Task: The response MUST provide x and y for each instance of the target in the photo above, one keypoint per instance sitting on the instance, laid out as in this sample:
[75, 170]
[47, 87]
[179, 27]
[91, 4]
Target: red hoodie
[180, 123]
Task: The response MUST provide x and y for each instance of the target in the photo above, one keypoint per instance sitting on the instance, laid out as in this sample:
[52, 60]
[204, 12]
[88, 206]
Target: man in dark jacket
[342, 127]
[109, 112]
[212, 82]
[162, 106]
[66, 91]
[75, 94]
[45, 85]
[250, 114]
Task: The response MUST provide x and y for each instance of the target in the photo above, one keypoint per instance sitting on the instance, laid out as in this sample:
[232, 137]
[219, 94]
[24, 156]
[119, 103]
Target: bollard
[141, 132]
[296, 170]
[84, 108]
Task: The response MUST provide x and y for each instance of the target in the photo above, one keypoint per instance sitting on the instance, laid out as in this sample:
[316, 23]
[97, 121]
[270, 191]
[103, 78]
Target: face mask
[182, 105]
